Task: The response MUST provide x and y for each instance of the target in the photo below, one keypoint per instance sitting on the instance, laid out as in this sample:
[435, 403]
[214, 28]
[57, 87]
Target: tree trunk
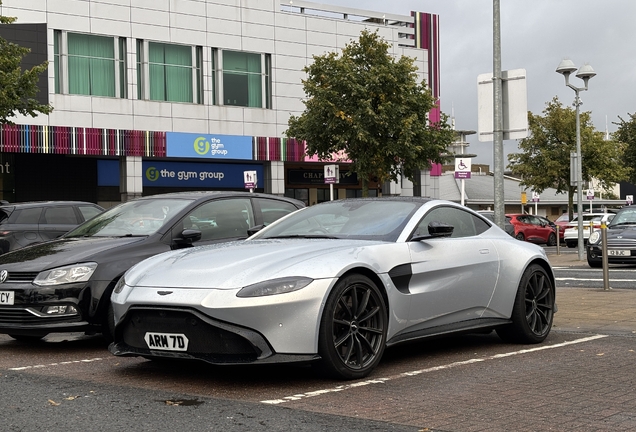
[365, 187]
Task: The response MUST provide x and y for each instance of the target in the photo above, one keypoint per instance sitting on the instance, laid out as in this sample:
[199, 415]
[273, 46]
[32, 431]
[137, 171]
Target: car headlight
[64, 275]
[275, 286]
[595, 237]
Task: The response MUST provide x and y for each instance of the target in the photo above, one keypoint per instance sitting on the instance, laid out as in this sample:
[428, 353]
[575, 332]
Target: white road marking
[55, 364]
[594, 280]
[422, 371]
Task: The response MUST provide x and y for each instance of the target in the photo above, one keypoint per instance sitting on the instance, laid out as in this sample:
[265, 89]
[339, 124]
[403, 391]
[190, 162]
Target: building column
[130, 178]
[274, 181]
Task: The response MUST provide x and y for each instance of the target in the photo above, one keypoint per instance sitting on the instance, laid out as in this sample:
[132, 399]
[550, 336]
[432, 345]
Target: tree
[626, 134]
[17, 87]
[369, 106]
[545, 158]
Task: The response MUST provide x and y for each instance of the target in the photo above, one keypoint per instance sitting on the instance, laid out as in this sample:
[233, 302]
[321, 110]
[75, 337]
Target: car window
[625, 216]
[465, 224]
[272, 210]
[89, 212]
[60, 215]
[28, 216]
[223, 218]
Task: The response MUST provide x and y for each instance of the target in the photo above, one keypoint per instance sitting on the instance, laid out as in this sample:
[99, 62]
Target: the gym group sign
[191, 145]
[181, 174]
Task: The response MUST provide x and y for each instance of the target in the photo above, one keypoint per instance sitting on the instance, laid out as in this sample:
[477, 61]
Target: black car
[22, 224]
[621, 240]
[64, 285]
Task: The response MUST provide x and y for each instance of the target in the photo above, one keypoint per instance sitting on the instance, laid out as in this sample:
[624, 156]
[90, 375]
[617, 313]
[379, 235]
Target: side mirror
[436, 229]
[188, 236]
[253, 230]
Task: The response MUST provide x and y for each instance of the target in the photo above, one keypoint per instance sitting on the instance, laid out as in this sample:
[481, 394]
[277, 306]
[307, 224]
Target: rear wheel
[570, 244]
[533, 309]
[353, 329]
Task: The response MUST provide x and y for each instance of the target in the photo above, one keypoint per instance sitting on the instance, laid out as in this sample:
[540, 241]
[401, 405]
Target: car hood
[626, 232]
[61, 252]
[238, 264]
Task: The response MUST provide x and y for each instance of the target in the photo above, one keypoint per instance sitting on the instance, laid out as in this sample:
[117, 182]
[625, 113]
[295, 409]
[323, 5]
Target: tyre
[353, 329]
[533, 309]
[108, 326]
[552, 240]
[520, 237]
[570, 244]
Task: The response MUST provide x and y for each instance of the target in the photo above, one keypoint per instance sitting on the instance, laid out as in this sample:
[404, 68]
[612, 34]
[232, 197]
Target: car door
[453, 278]
[56, 221]
[23, 229]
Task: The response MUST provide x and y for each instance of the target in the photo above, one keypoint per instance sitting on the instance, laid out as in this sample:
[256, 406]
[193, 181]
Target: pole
[606, 286]
[499, 203]
[463, 191]
[330, 191]
[579, 177]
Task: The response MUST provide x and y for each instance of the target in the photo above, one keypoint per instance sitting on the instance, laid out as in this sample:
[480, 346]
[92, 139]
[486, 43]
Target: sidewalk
[592, 309]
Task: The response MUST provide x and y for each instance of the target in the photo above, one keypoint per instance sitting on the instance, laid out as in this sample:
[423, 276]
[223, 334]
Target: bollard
[558, 241]
[606, 286]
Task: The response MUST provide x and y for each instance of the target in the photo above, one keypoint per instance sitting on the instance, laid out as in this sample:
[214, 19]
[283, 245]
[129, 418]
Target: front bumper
[209, 340]
[30, 314]
[595, 253]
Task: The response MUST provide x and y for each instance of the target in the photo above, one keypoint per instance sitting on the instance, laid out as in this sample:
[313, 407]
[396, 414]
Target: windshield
[626, 216]
[375, 219]
[133, 218]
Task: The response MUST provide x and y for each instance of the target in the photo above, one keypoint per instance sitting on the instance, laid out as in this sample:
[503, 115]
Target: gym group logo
[152, 174]
[201, 146]
[3, 276]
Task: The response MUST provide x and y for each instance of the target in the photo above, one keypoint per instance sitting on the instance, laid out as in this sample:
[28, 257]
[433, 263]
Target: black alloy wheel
[533, 310]
[552, 240]
[520, 237]
[353, 329]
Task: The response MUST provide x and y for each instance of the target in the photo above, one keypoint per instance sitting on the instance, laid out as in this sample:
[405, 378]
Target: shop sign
[191, 145]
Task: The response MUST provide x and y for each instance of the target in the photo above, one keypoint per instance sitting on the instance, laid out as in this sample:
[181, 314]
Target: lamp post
[566, 67]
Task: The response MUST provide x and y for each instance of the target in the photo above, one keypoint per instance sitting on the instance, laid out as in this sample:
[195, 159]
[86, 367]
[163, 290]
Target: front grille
[25, 277]
[621, 243]
[22, 316]
[205, 339]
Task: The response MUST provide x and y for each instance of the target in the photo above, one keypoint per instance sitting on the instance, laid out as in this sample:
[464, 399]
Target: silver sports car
[335, 284]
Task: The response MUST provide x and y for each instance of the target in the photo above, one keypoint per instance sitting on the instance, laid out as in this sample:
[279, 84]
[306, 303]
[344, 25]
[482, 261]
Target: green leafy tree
[626, 134]
[369, 106]
[18, 87]
[544, 160]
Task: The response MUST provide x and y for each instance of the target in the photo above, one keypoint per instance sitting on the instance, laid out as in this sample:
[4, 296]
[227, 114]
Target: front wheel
[520, 237]
[533, 309]
[552, 241]
[353, 329]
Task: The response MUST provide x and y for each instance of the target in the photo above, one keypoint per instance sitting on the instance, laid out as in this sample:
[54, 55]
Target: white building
[144, 88]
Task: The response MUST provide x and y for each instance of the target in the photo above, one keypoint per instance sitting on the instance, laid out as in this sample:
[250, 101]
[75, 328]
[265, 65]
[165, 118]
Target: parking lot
[580, 379]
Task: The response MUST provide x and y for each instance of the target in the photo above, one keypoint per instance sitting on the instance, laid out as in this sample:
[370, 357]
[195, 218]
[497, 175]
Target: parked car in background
[22, 224]
[490, 215]
[335, 284]
[591, 222]
[621, 240]
[531, 228]
[64, 285]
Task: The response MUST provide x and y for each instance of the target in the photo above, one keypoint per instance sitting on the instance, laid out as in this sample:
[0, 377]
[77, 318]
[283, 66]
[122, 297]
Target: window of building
[174, 73]
[89, 65]
[246, 79]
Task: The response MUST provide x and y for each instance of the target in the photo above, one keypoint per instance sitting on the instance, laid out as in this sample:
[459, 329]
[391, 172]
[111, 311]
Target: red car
[563, 221]
[531, 228]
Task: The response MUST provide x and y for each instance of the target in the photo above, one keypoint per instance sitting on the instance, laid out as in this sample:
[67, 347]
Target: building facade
[152, 96]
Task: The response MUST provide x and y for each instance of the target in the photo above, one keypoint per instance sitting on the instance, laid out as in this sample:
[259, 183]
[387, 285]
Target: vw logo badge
[3, 276]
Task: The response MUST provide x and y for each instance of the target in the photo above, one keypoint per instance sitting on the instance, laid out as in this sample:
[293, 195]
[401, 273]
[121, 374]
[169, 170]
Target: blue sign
[191, 145]
[181, 174]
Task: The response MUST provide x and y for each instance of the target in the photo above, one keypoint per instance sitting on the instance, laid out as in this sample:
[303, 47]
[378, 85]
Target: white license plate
[7, 297]
[166, 341]
[614, 252]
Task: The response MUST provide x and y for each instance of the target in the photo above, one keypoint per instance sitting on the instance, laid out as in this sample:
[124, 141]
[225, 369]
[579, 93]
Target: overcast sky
[535, 35]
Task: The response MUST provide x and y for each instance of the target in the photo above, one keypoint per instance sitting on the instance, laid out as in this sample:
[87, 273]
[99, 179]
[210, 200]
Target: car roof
[204, 195]
[32, 204]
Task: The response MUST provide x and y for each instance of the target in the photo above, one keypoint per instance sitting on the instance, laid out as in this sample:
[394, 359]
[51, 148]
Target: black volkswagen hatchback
[64, 285]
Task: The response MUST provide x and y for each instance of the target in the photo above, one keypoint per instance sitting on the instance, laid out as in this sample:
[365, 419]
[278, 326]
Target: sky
[536, 35]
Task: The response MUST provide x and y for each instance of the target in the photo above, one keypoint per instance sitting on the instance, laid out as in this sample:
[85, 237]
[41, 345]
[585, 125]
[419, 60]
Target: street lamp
[566, 67]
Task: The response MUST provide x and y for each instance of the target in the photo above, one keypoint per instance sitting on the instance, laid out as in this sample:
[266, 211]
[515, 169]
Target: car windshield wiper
[310, 236]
